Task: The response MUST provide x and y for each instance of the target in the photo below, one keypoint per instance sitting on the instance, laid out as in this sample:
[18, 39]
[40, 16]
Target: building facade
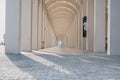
[89, 25]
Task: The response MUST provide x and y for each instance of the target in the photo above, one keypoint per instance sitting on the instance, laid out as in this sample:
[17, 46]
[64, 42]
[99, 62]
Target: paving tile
[67, 67]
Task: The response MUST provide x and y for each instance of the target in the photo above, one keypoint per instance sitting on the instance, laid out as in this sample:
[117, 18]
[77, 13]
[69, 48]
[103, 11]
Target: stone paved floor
[59, 67]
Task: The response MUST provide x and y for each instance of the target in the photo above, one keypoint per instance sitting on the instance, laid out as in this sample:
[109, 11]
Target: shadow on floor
[42, 66]
[36, 66]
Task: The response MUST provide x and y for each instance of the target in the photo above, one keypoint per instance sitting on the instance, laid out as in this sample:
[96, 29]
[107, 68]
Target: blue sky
[2, 18]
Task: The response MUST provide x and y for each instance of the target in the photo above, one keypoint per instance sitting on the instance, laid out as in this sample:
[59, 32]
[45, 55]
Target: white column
[90, 26]
[40, 25]
[114, 28]
[26, 24]
[35, 24]
[84, 13]
[43, 25]
[12, 37]
[99, 33]
[79, 26]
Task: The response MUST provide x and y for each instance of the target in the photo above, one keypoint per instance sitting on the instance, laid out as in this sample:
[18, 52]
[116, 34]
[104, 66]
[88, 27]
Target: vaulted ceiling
[61, 14]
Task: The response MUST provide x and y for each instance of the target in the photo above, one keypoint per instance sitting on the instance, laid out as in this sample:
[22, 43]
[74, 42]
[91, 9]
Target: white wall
[45, 31]
[48, 35]
[84, 13]
[114, 28]
[50, 39]
[71, 38]
[39, 23]
[35, 24]
[2, 18]
[26, 25]
[12, 41]
[99, 30]
[79, 24]
[90, 26]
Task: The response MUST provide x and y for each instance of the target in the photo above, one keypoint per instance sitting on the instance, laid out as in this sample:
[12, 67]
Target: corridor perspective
[61, 40]
[63, 23]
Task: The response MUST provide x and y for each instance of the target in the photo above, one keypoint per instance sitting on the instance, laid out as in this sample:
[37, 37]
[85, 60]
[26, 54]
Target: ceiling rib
[61, 13]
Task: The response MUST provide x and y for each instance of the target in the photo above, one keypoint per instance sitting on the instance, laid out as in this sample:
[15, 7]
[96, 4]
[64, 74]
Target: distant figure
[59, 43]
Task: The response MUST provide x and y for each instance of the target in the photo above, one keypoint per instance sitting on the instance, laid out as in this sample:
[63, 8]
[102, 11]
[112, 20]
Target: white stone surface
[26, 25]
[90, 26]
[114, 28]
[99, 32]
[37, 66]
[12, 37]
[35, 24]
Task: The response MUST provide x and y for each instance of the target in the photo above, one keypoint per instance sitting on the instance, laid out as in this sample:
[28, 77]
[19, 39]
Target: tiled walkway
[59, 67]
